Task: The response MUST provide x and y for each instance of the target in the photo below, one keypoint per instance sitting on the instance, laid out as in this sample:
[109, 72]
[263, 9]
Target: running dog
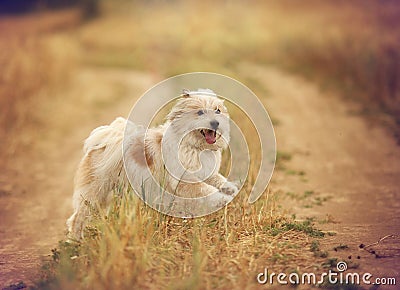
[183, 154]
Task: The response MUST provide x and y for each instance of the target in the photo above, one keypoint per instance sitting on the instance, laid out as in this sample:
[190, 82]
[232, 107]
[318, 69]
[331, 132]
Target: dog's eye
[201, 112]
[218, 111]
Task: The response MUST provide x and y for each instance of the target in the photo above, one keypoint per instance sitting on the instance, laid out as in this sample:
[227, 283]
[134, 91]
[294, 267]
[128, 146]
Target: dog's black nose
[214, 124]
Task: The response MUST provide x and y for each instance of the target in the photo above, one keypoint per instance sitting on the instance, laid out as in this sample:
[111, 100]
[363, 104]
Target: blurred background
[350, 47]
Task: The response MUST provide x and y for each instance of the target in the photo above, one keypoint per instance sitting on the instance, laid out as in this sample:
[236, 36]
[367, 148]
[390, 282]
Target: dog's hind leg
[76, 224]
[79, 219]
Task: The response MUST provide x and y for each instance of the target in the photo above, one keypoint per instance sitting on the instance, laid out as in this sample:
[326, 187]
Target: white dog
[183, 156]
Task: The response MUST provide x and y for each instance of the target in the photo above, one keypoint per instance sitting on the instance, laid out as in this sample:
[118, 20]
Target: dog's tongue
[210, 136]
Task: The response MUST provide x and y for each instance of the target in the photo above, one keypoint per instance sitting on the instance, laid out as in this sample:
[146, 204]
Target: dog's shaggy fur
[188, 145]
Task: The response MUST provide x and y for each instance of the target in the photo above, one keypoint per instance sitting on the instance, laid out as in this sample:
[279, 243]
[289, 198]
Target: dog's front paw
[220, 199]
[229, 188]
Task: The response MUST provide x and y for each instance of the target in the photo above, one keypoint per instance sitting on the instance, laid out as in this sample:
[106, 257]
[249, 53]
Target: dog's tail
[107, 140]
[105, 135]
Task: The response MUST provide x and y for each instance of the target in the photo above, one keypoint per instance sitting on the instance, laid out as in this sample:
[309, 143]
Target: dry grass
[138, 247]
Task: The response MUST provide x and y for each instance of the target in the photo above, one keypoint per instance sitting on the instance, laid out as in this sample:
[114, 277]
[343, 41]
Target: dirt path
[339, 156]
[36, 189]
[342, 157]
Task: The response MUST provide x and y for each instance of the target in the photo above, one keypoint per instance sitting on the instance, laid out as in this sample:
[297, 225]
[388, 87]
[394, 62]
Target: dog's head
[200, 119]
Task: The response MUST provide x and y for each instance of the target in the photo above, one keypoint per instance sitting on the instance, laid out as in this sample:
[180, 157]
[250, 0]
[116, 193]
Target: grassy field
[352, 48]
[137, 246]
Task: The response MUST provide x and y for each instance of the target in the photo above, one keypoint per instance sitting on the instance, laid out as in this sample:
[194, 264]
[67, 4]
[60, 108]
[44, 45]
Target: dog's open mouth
[209, 135]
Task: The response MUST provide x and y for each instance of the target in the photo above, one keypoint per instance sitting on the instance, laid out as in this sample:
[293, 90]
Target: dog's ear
[220, 98]
[185, 93]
